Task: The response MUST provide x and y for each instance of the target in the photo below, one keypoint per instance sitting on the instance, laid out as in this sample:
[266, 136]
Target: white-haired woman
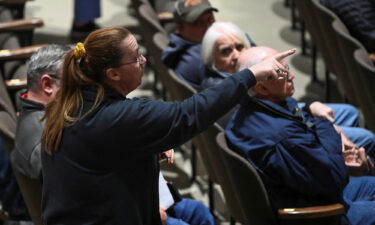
[221, 46]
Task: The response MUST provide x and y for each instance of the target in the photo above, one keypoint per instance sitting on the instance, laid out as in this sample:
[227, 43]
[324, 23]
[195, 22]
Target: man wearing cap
[193, 17]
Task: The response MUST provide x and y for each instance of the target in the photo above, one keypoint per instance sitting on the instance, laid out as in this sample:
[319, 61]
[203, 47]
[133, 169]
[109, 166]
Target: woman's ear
[112, 74]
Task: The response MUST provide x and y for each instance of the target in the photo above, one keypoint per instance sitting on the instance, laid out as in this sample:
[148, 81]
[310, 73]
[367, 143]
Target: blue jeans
[191, 212]
[86, 10]
[360, 196]
[347, 118]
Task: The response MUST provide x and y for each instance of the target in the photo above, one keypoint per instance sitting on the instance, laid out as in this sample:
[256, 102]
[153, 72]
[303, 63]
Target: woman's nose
[235, 55]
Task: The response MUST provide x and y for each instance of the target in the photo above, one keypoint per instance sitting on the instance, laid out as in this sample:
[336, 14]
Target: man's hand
[320, 110]
[355, 157]
[168, 155]
[163, 216]
[357, 160]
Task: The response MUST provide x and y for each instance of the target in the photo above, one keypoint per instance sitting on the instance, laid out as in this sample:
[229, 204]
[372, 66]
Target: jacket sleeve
[155, 126]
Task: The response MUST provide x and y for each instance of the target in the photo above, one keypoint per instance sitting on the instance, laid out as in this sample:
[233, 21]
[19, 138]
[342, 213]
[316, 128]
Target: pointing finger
[280, 56]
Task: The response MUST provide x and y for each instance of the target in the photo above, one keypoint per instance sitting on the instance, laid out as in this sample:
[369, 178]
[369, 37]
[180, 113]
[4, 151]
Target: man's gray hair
[47, 60]
[216, 31]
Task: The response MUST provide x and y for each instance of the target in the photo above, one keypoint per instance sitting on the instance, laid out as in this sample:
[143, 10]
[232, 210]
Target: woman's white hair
[217, 30]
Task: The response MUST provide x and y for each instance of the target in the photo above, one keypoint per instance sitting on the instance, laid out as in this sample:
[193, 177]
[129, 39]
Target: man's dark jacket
[298, 157]
[26, 157]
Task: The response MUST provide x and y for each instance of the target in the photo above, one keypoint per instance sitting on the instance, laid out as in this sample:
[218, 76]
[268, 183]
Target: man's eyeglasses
[283, 74]
[55, 78]
[138, 60]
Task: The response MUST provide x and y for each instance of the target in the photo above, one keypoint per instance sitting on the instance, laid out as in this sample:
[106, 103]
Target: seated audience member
[43, 82]
[343, 115]
[222, 44]
[183, 52]
[298, 156]
[359, 18]
[184, 211]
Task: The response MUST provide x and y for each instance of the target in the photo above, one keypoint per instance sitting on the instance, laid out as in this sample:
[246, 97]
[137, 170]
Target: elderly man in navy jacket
[302, 160]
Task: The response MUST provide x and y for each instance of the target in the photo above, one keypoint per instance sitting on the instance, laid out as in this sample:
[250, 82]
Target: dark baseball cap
[190, 13]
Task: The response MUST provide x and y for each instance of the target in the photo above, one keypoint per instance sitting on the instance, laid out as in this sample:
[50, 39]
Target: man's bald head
[253, 56]
[275, 90]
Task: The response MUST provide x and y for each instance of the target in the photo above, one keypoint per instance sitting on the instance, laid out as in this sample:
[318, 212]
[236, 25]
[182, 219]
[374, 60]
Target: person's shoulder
[177, 40]
[179, 48]
[30, 121]
[252, 122]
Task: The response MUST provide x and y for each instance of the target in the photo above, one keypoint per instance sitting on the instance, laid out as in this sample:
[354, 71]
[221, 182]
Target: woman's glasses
[139, 59]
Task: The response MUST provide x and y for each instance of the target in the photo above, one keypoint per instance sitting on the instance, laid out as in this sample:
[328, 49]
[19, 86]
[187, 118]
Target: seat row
[338, 47]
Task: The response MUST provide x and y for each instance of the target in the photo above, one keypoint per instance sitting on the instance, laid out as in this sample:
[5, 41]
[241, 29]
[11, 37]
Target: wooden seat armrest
[165, 17]
[21, 25]
[311, 212]
[372, 57]
[19, 53]
[16, 84]
[13, 2]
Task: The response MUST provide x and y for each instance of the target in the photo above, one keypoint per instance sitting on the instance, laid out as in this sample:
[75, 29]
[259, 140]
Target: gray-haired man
[43, 77]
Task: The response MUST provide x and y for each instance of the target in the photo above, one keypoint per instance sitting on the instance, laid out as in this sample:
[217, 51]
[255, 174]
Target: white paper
[165, 197]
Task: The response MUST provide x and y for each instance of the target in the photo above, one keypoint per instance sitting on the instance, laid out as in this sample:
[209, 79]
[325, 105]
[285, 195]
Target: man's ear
[47, 84]
[261, 89]
[112, 74]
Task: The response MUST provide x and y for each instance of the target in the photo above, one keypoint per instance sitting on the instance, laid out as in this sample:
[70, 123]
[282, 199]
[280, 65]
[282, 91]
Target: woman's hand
[163, 216]
[168, 155]
[269, 68]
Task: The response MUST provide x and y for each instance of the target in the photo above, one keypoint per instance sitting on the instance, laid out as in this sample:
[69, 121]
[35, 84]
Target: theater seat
[253, 198]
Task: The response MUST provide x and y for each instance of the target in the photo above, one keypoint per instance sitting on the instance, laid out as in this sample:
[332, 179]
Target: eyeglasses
[140, 59]
[55, 78]
[283, 74]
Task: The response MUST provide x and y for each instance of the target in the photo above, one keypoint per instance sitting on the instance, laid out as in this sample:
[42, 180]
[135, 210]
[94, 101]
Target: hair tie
[79, 50]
